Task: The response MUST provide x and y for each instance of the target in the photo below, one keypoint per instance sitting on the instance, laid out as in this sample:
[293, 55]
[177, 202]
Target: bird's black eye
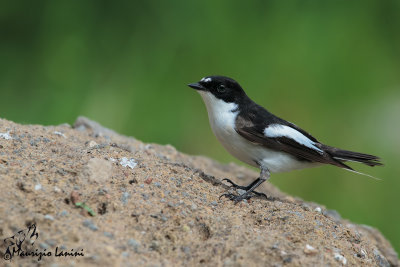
[221, 88]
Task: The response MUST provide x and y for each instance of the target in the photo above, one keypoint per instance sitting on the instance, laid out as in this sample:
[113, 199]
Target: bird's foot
[236, 198]
[243, 188]
[246, 195]
[234, 185]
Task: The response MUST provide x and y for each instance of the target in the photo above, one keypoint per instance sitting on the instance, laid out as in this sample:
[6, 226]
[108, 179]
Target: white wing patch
[278, 130]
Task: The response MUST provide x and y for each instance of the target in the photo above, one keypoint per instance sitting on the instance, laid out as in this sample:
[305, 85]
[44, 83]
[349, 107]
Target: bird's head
[220, 87]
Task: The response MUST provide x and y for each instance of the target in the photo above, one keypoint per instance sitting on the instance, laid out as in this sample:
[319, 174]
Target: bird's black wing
[293, 140]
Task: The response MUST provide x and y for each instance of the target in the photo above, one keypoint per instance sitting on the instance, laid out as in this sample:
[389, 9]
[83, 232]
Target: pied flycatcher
[255, 136]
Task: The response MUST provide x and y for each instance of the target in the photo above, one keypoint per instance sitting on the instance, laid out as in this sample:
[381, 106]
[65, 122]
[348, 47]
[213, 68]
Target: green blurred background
[331, 67]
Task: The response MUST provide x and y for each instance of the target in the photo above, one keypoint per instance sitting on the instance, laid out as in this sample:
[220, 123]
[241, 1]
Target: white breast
[222, 118]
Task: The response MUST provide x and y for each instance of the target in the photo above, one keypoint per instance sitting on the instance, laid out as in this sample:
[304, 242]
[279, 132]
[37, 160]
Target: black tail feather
[345, 155]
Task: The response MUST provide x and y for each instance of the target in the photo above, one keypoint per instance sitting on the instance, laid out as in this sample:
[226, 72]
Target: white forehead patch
[206, 80]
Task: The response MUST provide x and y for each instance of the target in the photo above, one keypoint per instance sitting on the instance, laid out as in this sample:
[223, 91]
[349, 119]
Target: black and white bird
[255, 136]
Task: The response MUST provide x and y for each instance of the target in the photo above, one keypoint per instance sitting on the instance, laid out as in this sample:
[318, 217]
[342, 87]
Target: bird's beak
[196, 86]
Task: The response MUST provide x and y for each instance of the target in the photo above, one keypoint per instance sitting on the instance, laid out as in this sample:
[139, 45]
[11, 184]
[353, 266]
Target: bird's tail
[345, 155]
[341, 156]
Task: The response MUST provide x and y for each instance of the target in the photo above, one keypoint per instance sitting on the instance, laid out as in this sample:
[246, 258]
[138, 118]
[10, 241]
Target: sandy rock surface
[121, 202]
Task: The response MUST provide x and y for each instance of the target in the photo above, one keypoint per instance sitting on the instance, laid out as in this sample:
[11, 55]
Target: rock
[125, 162]
[162, 221]
[310, 250]
[340, 258]
[89, 224]
[125, 197]
[318, 209]
[60, 134]
[5, 136]
[380, 259]
[57, 190]
[92, 144]
[99, 170]
[108, 234]
[134, 244]
[44, 246]
[49, 217]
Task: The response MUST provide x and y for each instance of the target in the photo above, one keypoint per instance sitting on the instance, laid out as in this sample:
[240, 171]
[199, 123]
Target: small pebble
[287, 259]
[57, 190]
[5, 136]
[125, 254]
[318, 209]
[38, 187]
[125, 162]
[92, 144]
[163, 200]
[64, 213]
[380, 259]
[186, 250]
[148, 180]
[363, 253]
[157, 184]
[60, 134]
[108, 234]
[125, 197]
[89, 224]
[134, 244]
[319, 223]
[214, 203]
[102, 191]
[51, 242]
[94, 257]
[309, 250]
[306, 207]
[340, 258]
[44, 246]
[193, 207]
[49, 217]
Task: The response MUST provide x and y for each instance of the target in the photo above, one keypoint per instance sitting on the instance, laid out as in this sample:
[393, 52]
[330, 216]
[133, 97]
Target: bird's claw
[236, 198]
[230, 196]
[233, 184]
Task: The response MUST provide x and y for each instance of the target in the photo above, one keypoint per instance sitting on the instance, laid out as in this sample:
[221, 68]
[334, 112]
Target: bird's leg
[245, 187]
[240, 186]
[264, 176]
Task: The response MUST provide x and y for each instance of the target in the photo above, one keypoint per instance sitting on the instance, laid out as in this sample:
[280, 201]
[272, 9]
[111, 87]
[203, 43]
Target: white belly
[222, 120]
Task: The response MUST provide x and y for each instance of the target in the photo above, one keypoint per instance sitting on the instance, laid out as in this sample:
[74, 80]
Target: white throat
[217, 107]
